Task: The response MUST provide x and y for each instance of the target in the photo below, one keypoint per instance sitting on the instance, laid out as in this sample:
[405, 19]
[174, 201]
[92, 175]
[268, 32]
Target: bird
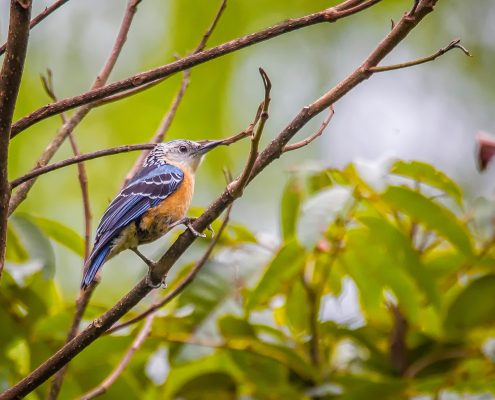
[154, 201]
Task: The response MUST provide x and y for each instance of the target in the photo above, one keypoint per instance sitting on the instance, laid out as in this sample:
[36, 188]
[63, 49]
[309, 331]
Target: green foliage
[369, 294]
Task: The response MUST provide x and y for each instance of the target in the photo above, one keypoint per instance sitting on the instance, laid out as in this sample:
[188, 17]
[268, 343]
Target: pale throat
[189, 165]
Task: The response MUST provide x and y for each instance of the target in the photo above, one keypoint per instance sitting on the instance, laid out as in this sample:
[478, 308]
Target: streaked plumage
[158, 196]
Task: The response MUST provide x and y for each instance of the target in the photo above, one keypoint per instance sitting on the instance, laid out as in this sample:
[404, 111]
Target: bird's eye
[183, 149]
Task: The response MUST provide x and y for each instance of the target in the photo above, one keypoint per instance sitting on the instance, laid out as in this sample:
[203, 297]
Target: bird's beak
[207, 145]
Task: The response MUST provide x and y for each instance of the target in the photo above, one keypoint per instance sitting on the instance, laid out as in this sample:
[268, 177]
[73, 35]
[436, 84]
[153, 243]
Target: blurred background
[430, 112]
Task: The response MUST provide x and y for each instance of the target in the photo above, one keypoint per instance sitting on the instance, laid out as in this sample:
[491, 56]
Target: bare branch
[83, 299]
[309, 139]
[331, 14]
[10, 80]
[202, 44]
[246, 132]
[164, 126]
[182, 284]
[82, 175]
[77, 159]
[169, 116]
[236, 188]
[110, 379]
[405, 25]
[40, 17]
[455, 44]
[70, 125]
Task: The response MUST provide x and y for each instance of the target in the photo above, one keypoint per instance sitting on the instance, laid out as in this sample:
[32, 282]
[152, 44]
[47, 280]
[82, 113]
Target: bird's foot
[151, 265]
[188, 223]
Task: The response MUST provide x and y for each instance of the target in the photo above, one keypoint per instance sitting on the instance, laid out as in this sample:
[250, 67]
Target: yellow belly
[156, 221]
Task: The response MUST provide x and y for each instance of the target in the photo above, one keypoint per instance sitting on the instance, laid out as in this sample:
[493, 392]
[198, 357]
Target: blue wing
[146, 190]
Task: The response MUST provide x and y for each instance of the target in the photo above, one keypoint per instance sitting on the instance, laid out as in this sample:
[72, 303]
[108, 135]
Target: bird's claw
[188, 223]
[151, 265]
[193, 231]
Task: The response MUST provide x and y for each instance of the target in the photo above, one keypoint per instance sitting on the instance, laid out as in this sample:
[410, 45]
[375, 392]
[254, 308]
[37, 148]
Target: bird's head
[181, 152]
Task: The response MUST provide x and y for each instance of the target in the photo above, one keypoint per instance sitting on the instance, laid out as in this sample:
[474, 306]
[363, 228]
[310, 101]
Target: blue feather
[150, 186]
[94, 266]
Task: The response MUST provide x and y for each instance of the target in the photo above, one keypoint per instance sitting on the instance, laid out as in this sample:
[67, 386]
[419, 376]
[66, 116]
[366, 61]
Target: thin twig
[431, 358]
[83, 299]
[455, 44]
[40, 17]
[182, 284]
[274, 149]
[10, 80]
[169, 116]
[204, 40]
[331, 14]
[97, 154]
[163, 128]
[136, 344]
[22, 192]
[309, 139]
[237, 187]
[246, 132]
[77, 159]
[81, 168]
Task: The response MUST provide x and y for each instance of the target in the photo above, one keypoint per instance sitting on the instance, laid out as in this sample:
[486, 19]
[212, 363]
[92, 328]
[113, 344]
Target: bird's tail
[93, 264]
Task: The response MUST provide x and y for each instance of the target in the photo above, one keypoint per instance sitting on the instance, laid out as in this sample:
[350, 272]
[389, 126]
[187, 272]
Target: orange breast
[156, 220]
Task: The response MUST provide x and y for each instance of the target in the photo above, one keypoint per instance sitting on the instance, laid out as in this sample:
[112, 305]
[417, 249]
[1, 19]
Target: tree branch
[83, 299]
[309, 139]
[163, 128]
[236, 188]
[182, 284]
[77, 159]
[110, 379]
[10, 81]
[40, 17]
[331, 14]
[169, 116]
[47, 82]
[454, 44]
[271, 152]
[71, 124]
[100, 153]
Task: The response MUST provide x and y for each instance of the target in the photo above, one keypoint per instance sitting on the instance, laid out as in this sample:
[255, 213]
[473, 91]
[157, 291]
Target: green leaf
[181, 374]
[18, 352]
[474, 306]
[321, 210]
[369, 262]
[62, 234]
[233, 327]
[297, 308]
[403, 255]
[241, 234]
[38, 246]
[208, 290]
[289, 210]
[433, 215]
[284, 266]
[426, 173]
[15, 252]
[358, 388]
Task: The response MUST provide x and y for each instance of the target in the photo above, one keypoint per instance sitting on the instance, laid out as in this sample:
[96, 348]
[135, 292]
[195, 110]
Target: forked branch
[317, 134]
[454, 44]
